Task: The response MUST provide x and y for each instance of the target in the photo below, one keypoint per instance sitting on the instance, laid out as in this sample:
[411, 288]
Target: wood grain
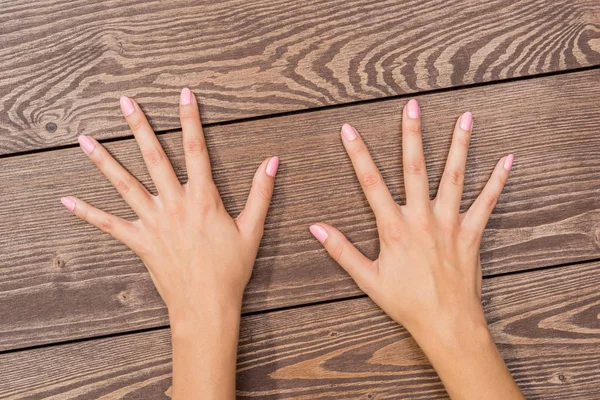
[62, 279]
[64, 63]
[545, 323]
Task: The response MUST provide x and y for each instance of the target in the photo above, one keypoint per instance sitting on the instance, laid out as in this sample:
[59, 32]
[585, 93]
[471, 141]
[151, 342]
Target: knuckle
[106, 225]
[124, 185]
[501, 180]
[99, 158]
[457, 176]
[263, 191]
[173, 211]
[364, 285]
[370, 179]
[470, 236]
[412, 129]
[194, 146]
[489, 200]
[462, 138]
[360, 148]
[393, 232]
[153, 156]
[82, 212]
[136, 122]
[416, 167]
[337, 252]
[188, 113]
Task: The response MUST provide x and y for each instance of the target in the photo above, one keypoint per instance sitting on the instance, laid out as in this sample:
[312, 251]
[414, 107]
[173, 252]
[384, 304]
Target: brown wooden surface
[64, 63]
[545, 323]
[62, 279]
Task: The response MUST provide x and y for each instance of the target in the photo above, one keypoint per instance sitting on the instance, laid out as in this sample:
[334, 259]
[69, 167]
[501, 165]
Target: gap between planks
[272, 310]
[505, 81]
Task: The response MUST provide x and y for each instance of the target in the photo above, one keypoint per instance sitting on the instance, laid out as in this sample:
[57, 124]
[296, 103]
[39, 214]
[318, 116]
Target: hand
[199, 258]
[428, 274]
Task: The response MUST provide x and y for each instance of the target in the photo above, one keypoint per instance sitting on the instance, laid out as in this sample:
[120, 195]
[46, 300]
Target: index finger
[368, 174]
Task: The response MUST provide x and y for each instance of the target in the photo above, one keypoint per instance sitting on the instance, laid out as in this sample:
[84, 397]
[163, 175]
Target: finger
[359, 267]
[132, 191]
[120, 229]
[451, 186]
[370, 178]
[194, 146]
[252, 217]
[415, 171]
[477, 216]
[156, 160]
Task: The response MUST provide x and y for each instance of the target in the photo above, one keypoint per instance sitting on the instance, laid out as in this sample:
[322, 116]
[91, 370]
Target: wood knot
[333, 334]
[59, 263]
[562, 378]
[51, 127]
[123, 297]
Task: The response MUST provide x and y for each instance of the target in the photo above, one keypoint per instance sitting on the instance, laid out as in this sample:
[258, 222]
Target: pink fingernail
[272, 166]
[68, 203]
[508, 162]
[412, 109]
[186, 97]
[319, 233]
[86, 144]
[127, 106]
[349, 132]
[466, 121]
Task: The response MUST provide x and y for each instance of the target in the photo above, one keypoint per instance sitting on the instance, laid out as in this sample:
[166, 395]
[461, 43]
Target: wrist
[207, 317]
[454, 334]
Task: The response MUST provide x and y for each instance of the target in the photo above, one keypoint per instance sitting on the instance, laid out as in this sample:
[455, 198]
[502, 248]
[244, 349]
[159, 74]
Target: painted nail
[186, 97]
[86, 144]
[412, 109]
[68, 203]
[466, 121]
[272, 166]
[349, 132]
[127, 106]
[318, 232]
[508, 162]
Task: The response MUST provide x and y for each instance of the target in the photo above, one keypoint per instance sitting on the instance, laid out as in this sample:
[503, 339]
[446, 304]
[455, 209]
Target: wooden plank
[545, 323]
[62, 279]
[64, 63]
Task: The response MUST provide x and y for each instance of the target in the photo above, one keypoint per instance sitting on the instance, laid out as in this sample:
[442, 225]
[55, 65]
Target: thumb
[360, 268]
[252, 218]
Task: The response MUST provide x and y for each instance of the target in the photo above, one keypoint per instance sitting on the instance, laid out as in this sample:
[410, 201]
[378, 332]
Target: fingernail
[68, 203]
[466, 121]
[318, 232]
[86, 144]
[186, 97]
[349, 132]
[127, 106]
[508, 162]
[412, 109]
[272, 166]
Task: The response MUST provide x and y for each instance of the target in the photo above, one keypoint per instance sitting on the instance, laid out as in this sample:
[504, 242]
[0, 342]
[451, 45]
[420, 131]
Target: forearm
[204, 352]
[468, 362]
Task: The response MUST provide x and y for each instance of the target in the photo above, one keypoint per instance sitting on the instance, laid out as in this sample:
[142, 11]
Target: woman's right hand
[199, 258]
[428, 274]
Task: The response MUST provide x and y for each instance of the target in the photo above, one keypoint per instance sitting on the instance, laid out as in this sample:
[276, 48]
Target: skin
[199, 258]
[427, 276]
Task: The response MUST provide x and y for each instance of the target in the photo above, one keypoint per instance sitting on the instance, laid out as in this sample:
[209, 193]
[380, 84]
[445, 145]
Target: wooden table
[79, 316]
